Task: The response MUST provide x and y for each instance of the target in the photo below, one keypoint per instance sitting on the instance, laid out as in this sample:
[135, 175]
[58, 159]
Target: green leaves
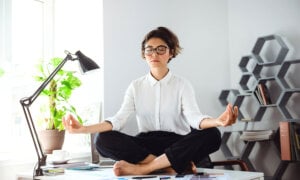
[59, 92]
[67, 84]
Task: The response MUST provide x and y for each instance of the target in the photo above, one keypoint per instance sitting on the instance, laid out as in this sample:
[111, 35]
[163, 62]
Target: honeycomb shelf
[285, 100]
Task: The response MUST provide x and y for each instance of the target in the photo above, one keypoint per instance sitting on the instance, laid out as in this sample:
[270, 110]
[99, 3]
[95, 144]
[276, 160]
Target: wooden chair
[227, 164]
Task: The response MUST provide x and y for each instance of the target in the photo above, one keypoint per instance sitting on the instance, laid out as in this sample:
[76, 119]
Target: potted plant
[58, 93]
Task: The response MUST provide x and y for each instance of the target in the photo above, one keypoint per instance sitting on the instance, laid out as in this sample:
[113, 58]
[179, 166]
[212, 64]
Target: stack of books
[262, 94]
[256, 135]
[289, 140]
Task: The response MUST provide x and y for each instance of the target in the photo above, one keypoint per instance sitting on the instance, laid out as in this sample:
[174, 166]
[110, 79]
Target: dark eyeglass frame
[160, 50]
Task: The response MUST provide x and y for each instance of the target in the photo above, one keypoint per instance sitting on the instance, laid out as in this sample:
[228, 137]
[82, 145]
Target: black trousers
[180, 149]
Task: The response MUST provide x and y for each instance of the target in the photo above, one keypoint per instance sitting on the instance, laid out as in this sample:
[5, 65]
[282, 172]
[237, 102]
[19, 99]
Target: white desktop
[107, 174]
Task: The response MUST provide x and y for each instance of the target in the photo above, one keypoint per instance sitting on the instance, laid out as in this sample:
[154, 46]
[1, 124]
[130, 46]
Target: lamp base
[39, 172]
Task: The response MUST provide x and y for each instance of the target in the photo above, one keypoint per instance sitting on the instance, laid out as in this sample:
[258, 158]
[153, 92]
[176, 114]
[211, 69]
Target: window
[23, 46]
[32, 30]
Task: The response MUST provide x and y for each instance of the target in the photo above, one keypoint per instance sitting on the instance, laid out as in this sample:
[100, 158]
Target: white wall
[203, 36]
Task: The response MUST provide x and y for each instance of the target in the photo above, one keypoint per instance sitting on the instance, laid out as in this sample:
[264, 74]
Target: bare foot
[192, 169]
[169, 170]
[122, 168]
[125, 168]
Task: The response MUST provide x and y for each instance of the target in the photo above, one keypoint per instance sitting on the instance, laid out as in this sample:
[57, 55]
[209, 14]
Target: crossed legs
[149, 152]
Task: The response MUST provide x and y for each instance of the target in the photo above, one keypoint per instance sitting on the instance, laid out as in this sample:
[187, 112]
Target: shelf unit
[251, 67]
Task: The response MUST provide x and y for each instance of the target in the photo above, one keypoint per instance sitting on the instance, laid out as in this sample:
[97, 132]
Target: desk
[107, 174]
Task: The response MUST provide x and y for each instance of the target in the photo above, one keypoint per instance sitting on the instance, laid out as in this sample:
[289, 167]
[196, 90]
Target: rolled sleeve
[115, 123]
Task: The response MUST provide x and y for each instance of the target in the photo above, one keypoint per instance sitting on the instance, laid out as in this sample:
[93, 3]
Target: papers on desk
[84, 170]
[56, 169]
[203, 176]
[84, 167]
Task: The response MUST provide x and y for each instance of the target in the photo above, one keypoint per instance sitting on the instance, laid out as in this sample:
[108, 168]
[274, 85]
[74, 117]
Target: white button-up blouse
[165, 105]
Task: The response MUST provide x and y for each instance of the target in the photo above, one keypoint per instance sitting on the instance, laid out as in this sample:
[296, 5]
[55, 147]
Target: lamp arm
[32, 98]
[26, 103]
[38, 148]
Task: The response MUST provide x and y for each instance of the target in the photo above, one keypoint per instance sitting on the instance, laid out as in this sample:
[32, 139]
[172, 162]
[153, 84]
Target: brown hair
[167, 36]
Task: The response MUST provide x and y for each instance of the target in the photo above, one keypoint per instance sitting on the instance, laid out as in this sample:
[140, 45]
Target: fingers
[229, 116]
[232, 114]
[236, 112]
[229, 109]
[67, 121]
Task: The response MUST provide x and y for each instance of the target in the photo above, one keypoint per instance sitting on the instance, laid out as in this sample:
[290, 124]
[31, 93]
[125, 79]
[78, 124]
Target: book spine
[292, 141]
[285, 145]
[265, 94]
[297, 140]
[262, 94]
[258, 96]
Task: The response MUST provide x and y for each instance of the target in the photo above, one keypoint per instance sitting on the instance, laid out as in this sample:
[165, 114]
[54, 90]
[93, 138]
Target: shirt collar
[165, 80]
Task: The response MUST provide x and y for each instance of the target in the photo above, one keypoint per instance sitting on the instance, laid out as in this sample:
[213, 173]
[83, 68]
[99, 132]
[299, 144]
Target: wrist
[84, 129]
[217, 122]
[209, 123]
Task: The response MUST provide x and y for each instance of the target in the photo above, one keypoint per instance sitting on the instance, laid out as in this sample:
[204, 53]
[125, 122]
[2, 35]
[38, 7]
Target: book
[258, 132]
[258, 96]
[264, 93]
[246, 119]
[292, 141]
[297, 135]
[295, 142]
[256, 135]
[285, 146]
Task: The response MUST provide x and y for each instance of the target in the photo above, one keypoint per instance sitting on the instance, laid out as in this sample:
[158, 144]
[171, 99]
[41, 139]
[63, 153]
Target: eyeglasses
[160, 50]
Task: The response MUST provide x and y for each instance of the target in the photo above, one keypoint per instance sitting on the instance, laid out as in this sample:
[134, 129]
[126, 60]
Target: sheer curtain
[23, 24]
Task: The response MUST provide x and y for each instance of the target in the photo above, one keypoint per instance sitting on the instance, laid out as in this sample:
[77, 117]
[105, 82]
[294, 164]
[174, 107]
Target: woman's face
[157, 53]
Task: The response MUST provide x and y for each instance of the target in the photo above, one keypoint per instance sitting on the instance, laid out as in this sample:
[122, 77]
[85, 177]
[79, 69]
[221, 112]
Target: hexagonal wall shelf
[272, 88]
[226, 94]
[248, 112]
[282, 72]
[269, 52]
[247, 82]
[249, 64]
[284, 99]
[280, 55]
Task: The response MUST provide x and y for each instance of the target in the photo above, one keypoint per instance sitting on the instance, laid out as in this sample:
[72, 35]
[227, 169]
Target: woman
[173, 134]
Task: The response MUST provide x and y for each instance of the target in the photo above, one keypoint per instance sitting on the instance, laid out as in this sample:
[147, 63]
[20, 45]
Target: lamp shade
[85, 62]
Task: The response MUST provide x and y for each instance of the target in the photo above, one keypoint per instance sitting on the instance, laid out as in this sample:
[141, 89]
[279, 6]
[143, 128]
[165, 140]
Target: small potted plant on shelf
[58, 93]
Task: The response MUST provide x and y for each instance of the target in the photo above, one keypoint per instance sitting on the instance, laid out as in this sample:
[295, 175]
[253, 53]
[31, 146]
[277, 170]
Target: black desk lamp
[86, 64]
